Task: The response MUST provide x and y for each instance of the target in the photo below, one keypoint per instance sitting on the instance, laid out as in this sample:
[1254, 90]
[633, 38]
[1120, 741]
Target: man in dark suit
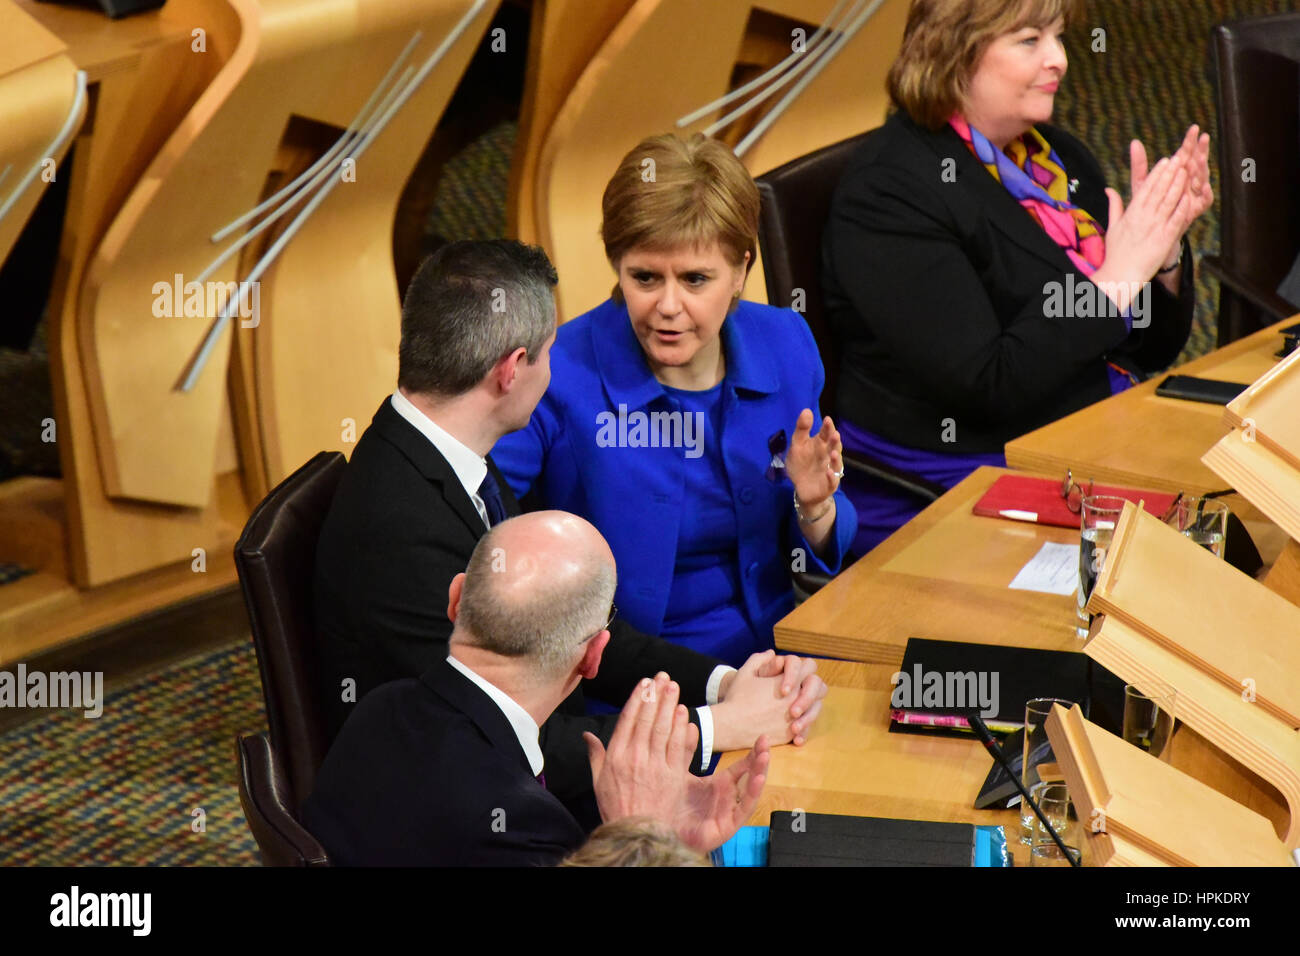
[419, 492]
[447, 769]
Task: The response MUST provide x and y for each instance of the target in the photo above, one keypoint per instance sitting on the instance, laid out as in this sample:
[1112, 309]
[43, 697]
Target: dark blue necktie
[491, 495]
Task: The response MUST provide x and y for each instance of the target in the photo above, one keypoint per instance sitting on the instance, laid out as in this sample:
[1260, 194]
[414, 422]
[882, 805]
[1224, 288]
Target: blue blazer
[634, 494]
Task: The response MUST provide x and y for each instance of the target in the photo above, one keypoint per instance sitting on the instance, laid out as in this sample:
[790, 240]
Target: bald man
[446, 770]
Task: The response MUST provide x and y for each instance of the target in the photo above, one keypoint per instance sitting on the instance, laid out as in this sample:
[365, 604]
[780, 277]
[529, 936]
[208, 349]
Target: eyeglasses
[1074, 493]
[613, 612]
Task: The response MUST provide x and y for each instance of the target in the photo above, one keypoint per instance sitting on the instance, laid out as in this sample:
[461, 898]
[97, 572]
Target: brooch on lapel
[776, 447]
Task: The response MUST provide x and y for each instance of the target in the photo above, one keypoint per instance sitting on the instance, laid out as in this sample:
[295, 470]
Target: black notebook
[952, 678]
[820, 839]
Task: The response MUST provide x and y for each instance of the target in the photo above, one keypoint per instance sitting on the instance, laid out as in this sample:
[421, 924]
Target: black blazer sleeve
[894, 240]
[632, 655]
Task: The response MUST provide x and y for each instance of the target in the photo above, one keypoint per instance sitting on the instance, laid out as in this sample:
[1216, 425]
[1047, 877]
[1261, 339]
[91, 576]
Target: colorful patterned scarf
[1032, 172]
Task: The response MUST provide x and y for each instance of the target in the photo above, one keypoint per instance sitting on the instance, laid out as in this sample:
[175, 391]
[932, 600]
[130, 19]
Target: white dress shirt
[464, 461]
[471, 469]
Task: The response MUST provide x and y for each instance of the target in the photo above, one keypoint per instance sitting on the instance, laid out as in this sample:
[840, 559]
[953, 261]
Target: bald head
[535, 588]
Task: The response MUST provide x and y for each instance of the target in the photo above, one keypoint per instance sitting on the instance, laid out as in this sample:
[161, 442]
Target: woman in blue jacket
[669, 405]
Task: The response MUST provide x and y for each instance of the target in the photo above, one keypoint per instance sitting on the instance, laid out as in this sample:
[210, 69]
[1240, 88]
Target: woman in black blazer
[980, 277]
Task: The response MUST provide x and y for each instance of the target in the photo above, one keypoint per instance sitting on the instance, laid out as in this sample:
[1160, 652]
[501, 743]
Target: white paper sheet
[1053, 570]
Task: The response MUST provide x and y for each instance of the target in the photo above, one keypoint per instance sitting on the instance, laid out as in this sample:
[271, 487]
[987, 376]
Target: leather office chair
[274, 557]
[796, 202]
[1257, 71]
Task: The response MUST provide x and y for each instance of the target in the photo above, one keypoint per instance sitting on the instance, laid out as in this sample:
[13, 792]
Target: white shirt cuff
[715, 683]
[706, 736]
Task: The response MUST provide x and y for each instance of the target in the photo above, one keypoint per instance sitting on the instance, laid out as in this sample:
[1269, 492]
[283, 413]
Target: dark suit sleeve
[632, 655]
[1156, 347]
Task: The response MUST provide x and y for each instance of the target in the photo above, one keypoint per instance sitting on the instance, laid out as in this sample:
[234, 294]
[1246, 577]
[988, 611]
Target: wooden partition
[197, 113]
[42, 103]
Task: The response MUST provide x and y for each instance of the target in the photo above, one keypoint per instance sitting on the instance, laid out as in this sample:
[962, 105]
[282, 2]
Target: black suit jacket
[935, 289]
[429, 772]
[400, 527]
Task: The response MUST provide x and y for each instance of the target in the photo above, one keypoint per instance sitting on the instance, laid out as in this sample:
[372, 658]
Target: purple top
[884, 508]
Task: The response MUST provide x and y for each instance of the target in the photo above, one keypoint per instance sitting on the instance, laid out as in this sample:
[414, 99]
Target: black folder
[821, 839]
[1023, 673]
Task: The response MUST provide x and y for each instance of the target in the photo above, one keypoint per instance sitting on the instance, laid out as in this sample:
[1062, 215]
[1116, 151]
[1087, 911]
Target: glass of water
[1097, 519]
[1039, 768]
[1204, 520]
[1149, 718]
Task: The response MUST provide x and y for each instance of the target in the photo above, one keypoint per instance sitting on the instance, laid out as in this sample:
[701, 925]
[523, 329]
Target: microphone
[992, 747]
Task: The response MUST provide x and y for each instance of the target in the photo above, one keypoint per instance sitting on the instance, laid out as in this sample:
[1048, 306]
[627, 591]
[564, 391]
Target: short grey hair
[547, 626]
[468, 306]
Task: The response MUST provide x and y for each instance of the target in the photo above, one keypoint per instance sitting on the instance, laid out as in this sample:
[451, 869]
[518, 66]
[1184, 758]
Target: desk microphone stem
[992, 747]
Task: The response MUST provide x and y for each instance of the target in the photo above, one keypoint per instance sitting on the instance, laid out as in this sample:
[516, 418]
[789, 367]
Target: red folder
[1039, 500]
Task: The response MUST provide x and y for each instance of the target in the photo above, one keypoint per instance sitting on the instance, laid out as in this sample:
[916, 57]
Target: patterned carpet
[1152, 82]
[120, 790]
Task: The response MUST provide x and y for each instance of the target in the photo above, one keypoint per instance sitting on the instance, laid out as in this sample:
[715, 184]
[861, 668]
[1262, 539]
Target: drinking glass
[1039, 767]
[1049, 854]
[1149, 719]
[1204, 520]
[1054, 801]
[1097, 519]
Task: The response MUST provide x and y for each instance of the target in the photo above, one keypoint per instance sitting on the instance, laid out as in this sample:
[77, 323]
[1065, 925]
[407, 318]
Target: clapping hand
[645, 771]
[1195, 154]
[1139, 238]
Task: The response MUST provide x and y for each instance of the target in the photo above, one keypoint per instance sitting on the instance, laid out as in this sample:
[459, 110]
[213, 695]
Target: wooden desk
[1140, 440]
[1137, 439]
[853, 765]
[942, 576]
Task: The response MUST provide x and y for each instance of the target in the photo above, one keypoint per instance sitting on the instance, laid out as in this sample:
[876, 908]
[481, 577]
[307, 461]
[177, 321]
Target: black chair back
[275, 557]
[796, 202]
[1257, 69]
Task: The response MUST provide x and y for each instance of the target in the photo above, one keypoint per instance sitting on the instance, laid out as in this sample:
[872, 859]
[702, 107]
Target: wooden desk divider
[1260, 457]
[1135, 810]
[1175, 615]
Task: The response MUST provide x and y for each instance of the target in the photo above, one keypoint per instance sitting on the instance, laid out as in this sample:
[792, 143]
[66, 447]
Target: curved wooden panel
[564, 36]
[153, 444]
[37, 97]
[326, 351]
[308, 58]
[694, 48]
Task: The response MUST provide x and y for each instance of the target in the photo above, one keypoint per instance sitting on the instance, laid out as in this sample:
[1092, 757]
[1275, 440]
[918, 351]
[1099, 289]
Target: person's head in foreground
[531, 611]
[635, 841]
[531, 615]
